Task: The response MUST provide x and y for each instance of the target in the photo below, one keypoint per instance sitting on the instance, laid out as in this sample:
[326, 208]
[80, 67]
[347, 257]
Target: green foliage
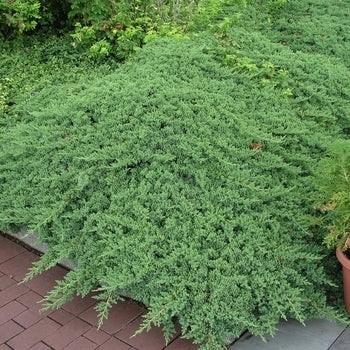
[110, 28]
[332, 178]
[91, 10]
[274, 5]
[21, 16]
[18, 16]
[121, 28]
[115, 28]
[5, 93]
[254, 45]
[148, 179]
[316, 27]
[26, 69]
[209, 11]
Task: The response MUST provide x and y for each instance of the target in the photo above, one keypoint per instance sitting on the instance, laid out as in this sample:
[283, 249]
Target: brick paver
[11, 310]
[79, 305]
[9, 249]
[81, 343]
[47, 280]
[18, 266]
[67, 333]
[61, 316]
[97, 336]
[11, 293]
[8, 330]
[122, 313]
[30, 299]
[151, 340]
[32, 335]
[40, 346]
[114, 344]
[72, 327]
[5, 282]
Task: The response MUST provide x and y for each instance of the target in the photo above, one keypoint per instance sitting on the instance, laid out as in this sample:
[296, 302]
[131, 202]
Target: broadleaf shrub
[18, 16]
[179, 181]
[113, 28]
[120, 28]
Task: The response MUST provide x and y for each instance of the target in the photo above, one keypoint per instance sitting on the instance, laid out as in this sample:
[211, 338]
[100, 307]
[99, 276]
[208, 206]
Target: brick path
[72, 327]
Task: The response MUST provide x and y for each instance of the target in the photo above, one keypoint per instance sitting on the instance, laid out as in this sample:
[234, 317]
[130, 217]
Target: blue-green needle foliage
[177, 180]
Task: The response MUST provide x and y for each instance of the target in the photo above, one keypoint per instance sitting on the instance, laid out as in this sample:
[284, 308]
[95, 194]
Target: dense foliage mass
[182, 177]
[333, 181]
[104, 27]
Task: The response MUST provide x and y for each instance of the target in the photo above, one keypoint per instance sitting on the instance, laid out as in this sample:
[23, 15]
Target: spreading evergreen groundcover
[176, 180]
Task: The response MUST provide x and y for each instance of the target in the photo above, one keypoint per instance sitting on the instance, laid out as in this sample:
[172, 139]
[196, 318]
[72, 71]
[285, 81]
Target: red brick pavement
[74, 326]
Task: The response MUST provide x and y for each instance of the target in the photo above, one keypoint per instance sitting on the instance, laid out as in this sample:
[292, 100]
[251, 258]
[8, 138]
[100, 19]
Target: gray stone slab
[30, 239]
[291, 335]
[343, 342]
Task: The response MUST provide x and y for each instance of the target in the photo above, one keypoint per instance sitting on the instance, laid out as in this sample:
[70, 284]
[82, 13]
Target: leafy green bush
[115, 28]
[179, 181]
[21, 16]
[119, 28]
[103, 27]
[332, 178]
[18, 16]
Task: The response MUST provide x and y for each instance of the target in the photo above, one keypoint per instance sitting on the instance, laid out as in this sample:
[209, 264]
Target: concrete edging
[32, 240]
